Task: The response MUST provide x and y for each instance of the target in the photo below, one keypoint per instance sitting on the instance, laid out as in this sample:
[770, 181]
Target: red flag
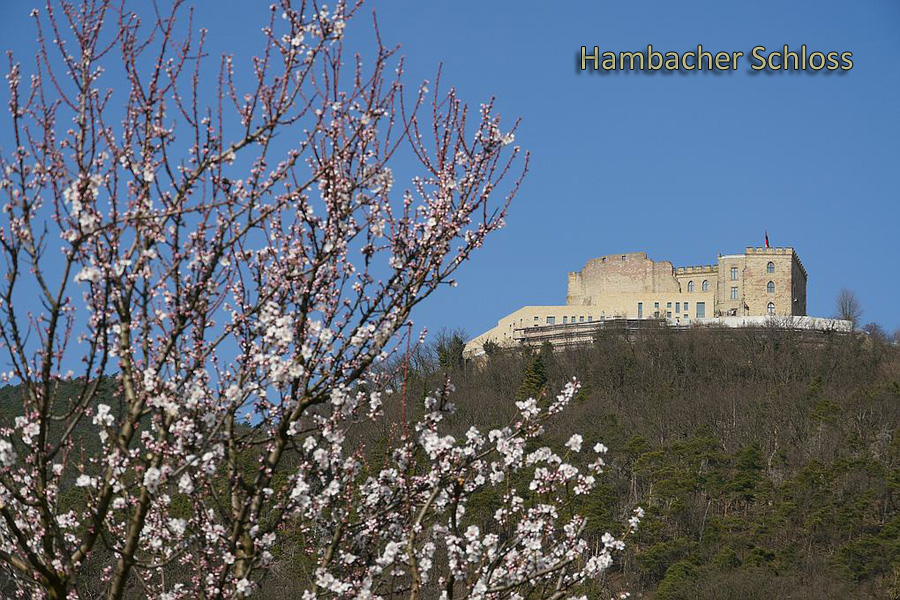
[767, 239]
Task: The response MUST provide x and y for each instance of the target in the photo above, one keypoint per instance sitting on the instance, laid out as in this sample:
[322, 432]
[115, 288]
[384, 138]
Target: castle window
[770, 287]
[551, 320]
[581, 319]
[656, 305]
[704, 286]
[770, 308]
[668, 314]
[536, 318]
[668, 305]
[701, 310]
[565, 320]
[734, 295]
[734, 273]
[623, 257]
[685, 307]
[678, 307]
[690, 286]
[640, 310]
[590, 318]
[770, 268]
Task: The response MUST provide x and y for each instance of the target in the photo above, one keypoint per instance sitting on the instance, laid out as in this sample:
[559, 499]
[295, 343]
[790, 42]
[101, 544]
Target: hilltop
[767, 460]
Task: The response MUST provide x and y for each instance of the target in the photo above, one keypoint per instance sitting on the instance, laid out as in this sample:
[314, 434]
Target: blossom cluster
[405, 527]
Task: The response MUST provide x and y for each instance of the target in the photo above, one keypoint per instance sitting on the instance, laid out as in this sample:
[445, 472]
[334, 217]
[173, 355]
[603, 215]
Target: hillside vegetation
[768, 461]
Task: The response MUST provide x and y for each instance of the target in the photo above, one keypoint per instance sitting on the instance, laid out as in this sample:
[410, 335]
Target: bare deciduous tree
[234, 272]
[848, 307]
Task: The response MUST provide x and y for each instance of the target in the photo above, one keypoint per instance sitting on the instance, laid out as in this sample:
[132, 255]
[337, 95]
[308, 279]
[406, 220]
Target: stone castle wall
[604, 278]
[759, 282]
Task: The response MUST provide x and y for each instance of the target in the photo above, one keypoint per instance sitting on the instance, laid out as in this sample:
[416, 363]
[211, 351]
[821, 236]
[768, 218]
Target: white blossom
[185, 485]
[7, 453]
[152, 479]
[91, 274]
[103, 416]
[243, 587]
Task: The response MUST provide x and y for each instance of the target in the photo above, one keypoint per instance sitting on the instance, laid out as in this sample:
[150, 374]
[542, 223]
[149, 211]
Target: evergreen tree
[449, 347]
[534, 381]
[546, 353]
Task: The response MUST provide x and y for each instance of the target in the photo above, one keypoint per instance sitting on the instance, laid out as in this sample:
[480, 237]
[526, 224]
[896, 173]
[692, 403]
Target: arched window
[770, 308]
[690, 286]
[770, 268]
[770, 287]
[704, 286]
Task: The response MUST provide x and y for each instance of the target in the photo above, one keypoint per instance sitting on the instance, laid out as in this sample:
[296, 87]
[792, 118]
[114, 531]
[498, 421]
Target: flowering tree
[228, 281]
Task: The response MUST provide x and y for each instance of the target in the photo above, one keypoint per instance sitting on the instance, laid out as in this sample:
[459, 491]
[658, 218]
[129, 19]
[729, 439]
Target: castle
[740, 289]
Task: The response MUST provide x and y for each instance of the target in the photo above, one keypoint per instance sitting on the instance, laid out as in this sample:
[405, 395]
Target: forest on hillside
[766, 460]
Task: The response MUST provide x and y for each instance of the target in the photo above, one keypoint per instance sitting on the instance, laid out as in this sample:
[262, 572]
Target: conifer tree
[491, 348]
[449, 348]
[534, 381]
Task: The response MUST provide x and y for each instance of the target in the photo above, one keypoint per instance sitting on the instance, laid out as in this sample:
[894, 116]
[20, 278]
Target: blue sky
[682, 166]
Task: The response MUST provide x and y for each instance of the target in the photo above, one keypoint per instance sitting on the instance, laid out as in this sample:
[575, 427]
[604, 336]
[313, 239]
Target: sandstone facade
[759, 282]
